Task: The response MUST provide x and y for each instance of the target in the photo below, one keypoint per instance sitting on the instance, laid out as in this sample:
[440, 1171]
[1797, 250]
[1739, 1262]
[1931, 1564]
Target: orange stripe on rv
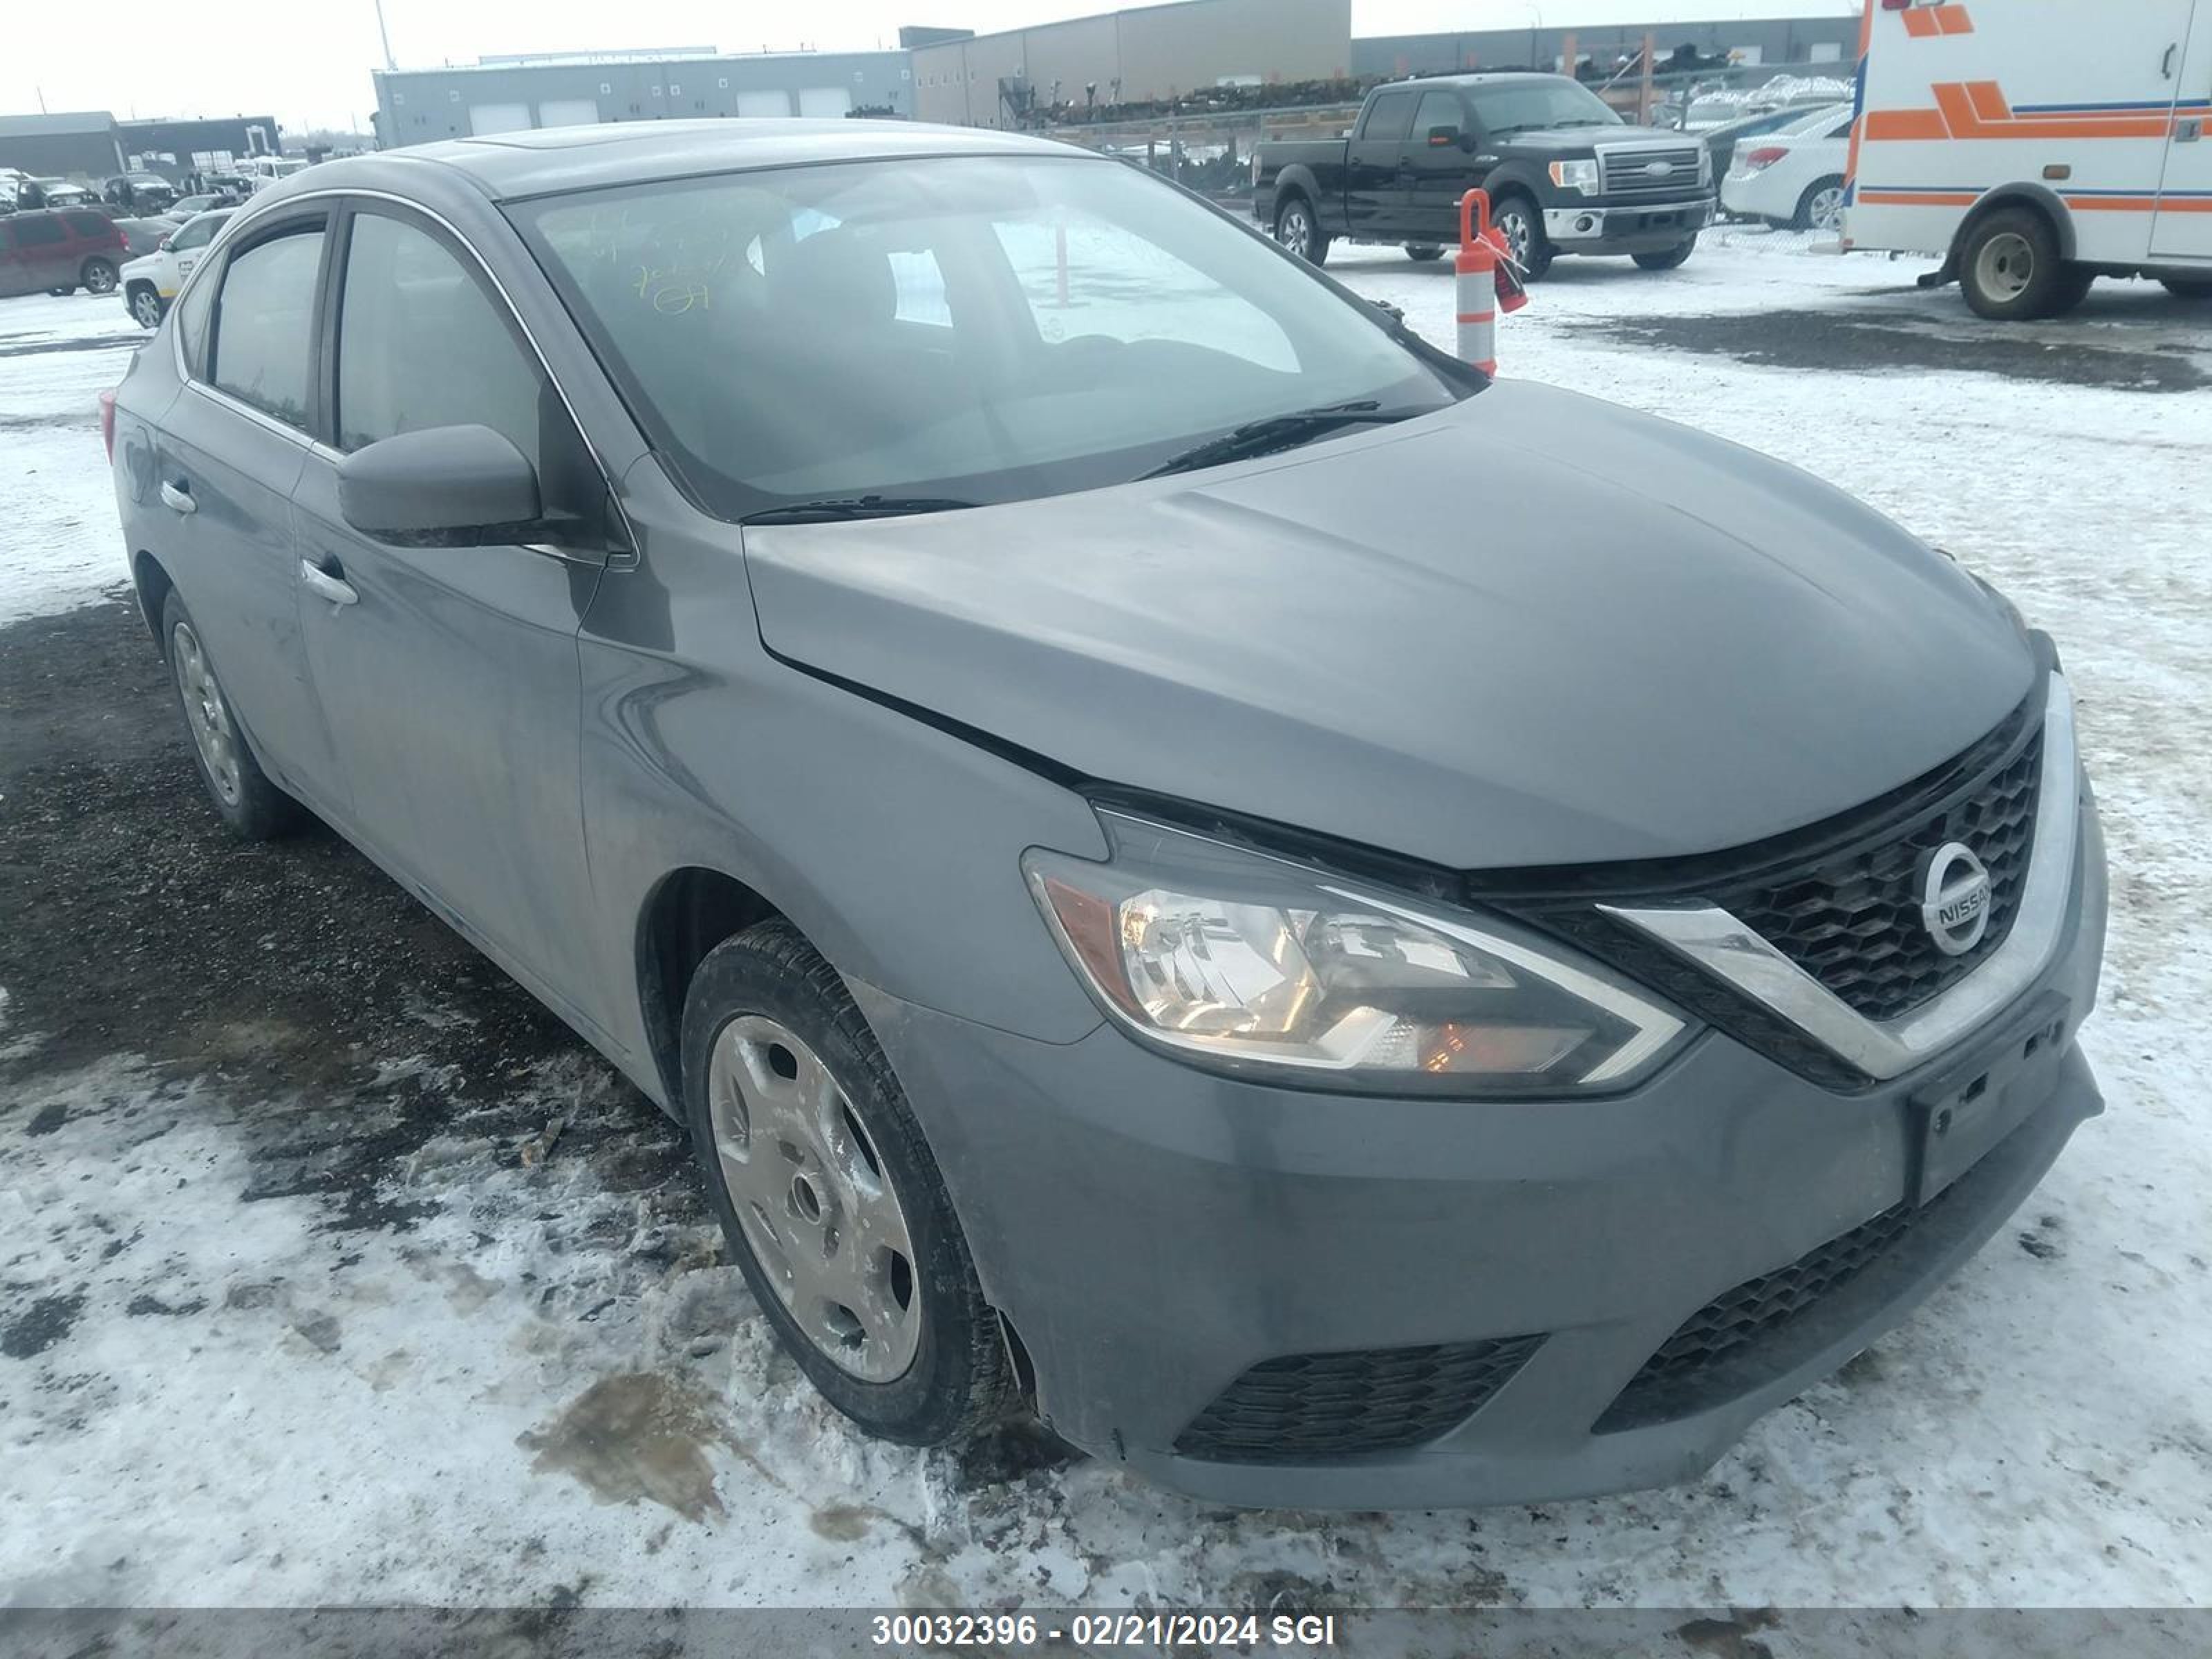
[2139, 205]
[1898, 198]
[1954, 20]
[1977, 109]
[1987, 101]
[1920, 23]
[1896, 123]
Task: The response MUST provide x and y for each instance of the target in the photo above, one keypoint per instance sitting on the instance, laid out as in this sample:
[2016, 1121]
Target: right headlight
[1251, 963]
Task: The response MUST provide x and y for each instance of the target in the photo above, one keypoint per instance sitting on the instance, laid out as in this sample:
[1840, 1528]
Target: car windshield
[1525, 105]
[964, 329]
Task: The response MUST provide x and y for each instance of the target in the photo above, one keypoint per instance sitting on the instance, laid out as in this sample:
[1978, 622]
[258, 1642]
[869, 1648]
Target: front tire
[829, 1197]
[1298, 230]
[145, 308]
[1523, 228]
[244, 798]
[1667, 259]
[2010, 271]
[97, 276]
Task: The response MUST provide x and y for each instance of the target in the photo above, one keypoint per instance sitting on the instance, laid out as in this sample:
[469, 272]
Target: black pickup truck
[1565, 175]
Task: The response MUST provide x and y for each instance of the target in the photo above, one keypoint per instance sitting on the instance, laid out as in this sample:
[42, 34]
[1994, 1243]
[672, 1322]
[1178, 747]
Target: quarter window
[38, 230]
[1391, 116]
[264, 324]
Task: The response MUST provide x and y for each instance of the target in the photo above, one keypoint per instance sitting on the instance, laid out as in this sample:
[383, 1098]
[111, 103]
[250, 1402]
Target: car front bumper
[1152, 1232]
[1644, 228]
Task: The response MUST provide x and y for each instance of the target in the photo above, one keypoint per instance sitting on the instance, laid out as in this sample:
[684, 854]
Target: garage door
[763, 103]
[498, 117]
[568, 113]
[824, 100]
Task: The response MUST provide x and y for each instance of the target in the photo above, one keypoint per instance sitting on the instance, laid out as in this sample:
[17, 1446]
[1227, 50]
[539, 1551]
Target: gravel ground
[332, 1269]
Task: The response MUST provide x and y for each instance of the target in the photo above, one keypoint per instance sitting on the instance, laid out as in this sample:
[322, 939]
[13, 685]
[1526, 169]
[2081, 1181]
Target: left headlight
[1247, 962]
[1576, 175]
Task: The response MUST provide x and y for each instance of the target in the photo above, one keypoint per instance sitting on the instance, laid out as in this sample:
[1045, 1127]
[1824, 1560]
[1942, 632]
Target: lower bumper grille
[1307, 1408]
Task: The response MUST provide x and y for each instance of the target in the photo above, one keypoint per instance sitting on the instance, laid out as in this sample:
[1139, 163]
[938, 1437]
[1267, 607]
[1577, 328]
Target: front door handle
[178, 497]
[320, 580]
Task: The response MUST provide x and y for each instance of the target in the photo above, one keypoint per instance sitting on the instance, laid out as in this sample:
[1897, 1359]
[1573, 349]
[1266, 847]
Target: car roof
[509, 166]
[1479, 78]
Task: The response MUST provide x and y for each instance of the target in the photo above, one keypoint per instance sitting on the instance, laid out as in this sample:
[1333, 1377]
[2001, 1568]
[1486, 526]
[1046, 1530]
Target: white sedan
[149, 285]
[1793, 177]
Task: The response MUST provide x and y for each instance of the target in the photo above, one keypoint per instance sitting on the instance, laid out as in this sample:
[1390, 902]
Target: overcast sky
[307, 62]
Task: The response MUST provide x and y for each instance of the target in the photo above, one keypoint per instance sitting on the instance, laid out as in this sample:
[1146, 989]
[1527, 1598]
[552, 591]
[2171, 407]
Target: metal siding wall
[1087, 49]
[1171, 49]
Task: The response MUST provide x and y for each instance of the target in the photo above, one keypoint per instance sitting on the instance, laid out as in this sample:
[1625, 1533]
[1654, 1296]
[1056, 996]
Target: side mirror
[162, 247]
[451, 486]
[1444, 138]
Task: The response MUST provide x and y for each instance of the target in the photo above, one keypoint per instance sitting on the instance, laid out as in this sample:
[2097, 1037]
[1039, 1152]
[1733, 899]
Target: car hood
[1583, 140]
[1534, 629]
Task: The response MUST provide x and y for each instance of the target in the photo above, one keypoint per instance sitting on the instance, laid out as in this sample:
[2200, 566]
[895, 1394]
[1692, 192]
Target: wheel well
[1288, 194]
[153, 585]
[2032, 197]
[690, 912]
[137, 284]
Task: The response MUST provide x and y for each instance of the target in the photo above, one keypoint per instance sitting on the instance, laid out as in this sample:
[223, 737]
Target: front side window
[199, 232]
[977, 328]
[264, 317]
[1438, 109]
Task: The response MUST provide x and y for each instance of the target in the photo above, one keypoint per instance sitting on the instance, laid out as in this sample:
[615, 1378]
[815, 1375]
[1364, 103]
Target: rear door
[14, 265]
[228, 453]
[42, 247]
[2182, 228]
[449, 676]
[1376, 186]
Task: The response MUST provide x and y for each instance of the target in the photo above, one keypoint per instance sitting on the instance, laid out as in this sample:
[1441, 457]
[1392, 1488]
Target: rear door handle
[320, 580]
[177, 497]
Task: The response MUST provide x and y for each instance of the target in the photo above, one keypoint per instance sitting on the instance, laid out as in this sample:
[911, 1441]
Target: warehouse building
[80, 145]
[1131, 57]
[177, 147]
[503, 95]
[1794, 42]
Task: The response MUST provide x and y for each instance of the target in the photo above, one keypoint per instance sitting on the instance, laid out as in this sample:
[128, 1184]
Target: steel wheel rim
[1297, 234]
[813, 1198]
[148, 310]
[2005, 266]
[206, 713]
[1827, 210]
[99, 280]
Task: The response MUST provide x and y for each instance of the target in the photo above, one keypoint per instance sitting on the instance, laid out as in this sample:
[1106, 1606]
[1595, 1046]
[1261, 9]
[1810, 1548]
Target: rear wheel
[1667, 259]
[244, 797]
[2187, 288]
[1297, 229]
[2010, 271]
[1821, 206]
[97, 276]
[1422, 252]
[1523, 228]
[831, 1199]
[145, 307]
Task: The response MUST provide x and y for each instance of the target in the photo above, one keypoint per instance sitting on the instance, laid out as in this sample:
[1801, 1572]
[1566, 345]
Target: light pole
[384, 35]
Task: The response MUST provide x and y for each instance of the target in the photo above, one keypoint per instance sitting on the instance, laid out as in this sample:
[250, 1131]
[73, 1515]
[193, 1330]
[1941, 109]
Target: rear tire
[97, 276]
[1668, 258]
[63, 292]
[766, 1014]
[2010, 271]
[2187, 288]
[1821, 206]
[1523, 228]
[244, 798]
[1297, 229]
[1422, 252]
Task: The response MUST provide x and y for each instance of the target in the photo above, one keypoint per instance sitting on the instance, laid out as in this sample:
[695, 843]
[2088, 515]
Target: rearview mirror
[450, 486]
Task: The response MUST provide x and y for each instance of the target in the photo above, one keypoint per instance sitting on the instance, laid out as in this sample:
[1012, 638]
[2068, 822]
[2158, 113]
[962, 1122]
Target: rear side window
[39, 230]
[89, 224]
[265, 324]
[422, 345]
[7, 236]
[192, 313]
[1391, 116]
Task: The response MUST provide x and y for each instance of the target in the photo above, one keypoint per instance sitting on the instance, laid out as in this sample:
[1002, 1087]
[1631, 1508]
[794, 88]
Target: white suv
[149, 285]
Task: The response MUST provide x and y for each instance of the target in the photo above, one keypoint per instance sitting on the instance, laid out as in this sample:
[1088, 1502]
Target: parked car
[203, 202]
[1794, 178]
[1724, 141]
[259, 172]
[53, 193]
[143, 193]
[45, 252]
[151, 282]
[1143, 897]
[1565, 175]
[143, 236]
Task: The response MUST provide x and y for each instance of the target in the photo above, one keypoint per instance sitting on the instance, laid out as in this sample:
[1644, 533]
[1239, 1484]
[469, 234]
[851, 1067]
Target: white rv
[2036, 145]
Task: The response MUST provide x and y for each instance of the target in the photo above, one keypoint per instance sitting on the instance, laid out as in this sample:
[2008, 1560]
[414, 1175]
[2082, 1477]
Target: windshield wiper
[1280, 431]
[834, 509]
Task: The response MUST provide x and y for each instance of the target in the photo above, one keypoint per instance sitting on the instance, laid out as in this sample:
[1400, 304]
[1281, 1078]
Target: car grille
[1624, 170]
[1853, 922]
[1679, 1378]
[1312, 1407]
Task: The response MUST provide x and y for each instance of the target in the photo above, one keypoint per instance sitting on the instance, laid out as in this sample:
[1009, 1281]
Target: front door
[229, 451]
[1443, 171]
[448, 675]
[2182, 228]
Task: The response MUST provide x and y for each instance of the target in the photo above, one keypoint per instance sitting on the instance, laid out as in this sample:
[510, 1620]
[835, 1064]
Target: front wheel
[146, 307]
[829, 1197]
[97, 276]
[2010, 271]
[1523, 229]
[1422, 252]
[1297, 229]
[1667, 259]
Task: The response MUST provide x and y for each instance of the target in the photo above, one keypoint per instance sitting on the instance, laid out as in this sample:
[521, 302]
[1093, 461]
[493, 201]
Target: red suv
[58, 252]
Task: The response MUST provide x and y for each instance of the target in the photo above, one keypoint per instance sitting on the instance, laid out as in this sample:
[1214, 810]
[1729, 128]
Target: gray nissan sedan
[1357, 935]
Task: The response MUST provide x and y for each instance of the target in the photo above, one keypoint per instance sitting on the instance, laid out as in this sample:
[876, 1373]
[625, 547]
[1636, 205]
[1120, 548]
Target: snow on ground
[544, 1384]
